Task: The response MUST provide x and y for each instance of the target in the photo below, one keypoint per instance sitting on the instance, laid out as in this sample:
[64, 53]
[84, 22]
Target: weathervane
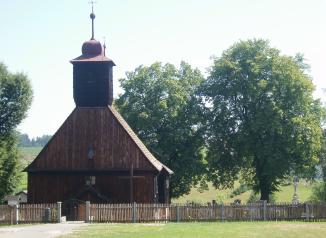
[92, 16]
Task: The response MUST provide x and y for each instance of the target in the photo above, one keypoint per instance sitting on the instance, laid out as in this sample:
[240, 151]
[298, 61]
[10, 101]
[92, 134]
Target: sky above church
[40, 37]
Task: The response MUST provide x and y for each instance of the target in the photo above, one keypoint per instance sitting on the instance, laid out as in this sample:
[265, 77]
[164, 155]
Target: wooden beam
[131, 183]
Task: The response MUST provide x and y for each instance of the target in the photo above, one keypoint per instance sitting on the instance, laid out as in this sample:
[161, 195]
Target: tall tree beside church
[159, 103]
[322, 161]
[9, 165]
[15, 99]
[263, 120]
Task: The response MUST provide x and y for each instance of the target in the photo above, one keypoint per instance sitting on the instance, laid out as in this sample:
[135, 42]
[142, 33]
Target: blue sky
[40, 37]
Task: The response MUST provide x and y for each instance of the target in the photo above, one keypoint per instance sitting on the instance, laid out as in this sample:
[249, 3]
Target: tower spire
[92, 16]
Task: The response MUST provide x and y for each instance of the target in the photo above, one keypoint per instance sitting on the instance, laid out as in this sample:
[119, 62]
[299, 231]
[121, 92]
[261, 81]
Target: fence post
[16, 215]
[134, 216]
[88, 211]
[307, 212]
[222, 212]
[58, 212]
[214, 209]
[265, 209]
[178, 213]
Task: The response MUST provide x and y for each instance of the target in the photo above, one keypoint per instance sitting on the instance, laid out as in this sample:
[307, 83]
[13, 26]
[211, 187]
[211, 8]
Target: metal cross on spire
[92, 2]
[92, 16]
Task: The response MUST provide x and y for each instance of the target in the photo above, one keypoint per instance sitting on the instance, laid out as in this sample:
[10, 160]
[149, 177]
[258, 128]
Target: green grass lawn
[284, 195]
[204, 229]
[286, 192]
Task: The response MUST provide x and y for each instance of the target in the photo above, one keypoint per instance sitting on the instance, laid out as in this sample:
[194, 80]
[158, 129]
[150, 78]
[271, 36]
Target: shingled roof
[156, 163]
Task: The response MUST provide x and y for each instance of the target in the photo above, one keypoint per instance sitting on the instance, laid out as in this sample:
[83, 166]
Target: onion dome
[92, 47]
[92, 50]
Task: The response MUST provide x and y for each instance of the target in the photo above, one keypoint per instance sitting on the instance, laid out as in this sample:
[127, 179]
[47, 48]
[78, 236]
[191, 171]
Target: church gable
[95, 139]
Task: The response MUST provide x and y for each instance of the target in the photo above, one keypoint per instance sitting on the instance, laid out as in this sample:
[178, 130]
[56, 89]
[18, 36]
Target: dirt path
[39, 231]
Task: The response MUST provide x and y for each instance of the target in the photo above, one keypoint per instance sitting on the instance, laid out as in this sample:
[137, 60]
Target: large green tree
[160, 104]
[263, 122]
[319, 190]
[15, 99]
[10, 165]
[322, 160]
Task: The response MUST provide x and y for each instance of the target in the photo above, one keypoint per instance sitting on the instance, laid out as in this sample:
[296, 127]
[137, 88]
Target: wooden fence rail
[6, 214]
[192, 212]
[28, 213]
[38, 213]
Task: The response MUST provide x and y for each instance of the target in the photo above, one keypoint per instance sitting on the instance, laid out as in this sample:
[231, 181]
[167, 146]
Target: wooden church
[95, 156]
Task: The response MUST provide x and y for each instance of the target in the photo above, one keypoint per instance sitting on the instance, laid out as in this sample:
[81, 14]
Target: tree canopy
[25, 141]
[160, 104]
[15, 99]
[322, 158]
[9, 165]
[263, 122]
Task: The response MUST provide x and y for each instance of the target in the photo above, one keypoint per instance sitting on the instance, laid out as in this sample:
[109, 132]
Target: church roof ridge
[155, 162]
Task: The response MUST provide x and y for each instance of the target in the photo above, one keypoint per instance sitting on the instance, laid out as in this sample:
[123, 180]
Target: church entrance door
[74, 210]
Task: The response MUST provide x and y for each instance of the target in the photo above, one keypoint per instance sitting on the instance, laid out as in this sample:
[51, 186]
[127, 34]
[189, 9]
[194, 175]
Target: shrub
[255, 197]
[239, 190]
[319, 192]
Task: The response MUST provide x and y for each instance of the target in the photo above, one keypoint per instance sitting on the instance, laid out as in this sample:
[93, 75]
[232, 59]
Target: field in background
[284, 195]
[204, 229]
[29, 153]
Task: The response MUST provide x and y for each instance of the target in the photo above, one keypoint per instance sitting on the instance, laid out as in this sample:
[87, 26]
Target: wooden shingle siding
[95, 128]
[53, 187]
[60, 171]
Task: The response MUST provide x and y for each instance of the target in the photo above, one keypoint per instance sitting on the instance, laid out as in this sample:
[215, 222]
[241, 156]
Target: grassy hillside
[284, 195]
[29, 153]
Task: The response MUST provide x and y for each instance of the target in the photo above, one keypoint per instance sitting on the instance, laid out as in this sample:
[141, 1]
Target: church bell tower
[95, 155]
[92, 74]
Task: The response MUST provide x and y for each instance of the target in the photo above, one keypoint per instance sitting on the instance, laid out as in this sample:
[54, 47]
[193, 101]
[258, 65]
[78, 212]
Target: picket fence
[116, 213]
[30, 213]
[194, 212]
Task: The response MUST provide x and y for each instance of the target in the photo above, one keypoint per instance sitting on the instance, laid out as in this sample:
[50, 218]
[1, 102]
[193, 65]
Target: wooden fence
[38, 213]
[192, 212]
[29, 213]
[6, 214]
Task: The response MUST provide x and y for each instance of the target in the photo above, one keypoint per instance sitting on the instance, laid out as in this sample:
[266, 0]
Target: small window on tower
[91, 153]
[90, 180]
[90, 78]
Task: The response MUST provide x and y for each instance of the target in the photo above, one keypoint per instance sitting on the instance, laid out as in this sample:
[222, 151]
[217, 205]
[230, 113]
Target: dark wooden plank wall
[93, 84]
[96, 128]
[52, 187]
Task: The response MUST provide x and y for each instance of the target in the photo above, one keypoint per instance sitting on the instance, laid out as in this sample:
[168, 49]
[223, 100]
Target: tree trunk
[323, 167]
[265, 189]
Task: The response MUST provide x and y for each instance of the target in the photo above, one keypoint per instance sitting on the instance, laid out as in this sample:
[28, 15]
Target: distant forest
[25, 141]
